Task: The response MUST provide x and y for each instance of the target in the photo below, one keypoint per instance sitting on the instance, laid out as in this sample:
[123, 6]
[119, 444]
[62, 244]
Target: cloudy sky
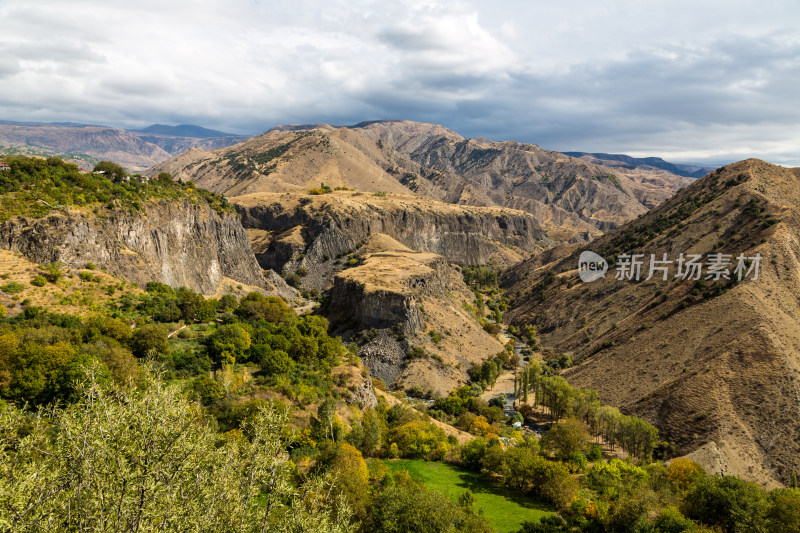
[700, 80]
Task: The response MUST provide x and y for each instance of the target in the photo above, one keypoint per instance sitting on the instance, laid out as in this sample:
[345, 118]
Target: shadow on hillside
[477, 484]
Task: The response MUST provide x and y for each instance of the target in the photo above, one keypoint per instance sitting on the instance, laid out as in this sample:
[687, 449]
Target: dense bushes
[34, 187]
[145, 459]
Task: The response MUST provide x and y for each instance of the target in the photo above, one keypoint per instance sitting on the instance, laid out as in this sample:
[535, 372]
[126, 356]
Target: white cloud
[685, 79]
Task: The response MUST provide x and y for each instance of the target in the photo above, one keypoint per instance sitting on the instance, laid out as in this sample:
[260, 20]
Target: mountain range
[86, 144]
[380, 217]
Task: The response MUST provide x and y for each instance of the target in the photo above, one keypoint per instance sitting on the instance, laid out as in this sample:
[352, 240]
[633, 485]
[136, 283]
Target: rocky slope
[176, 242]
[410, 309]
[706, 361]
[571, 199]
[522, 176]
[318, 233]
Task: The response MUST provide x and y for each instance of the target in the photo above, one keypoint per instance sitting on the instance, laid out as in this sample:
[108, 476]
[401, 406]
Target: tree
[373, 432]
[112, 171]
[147, 460]
[326, 417]
[472, 453]
[670, 520]
[228, 302]
[255, 306]
[407, 506]
[683, 472]
[553, 482]
[419, 439]
[348, 467]
[150, 341]
[525, 385]
[783, 511]
[728, 502]
[229, 343]
[273, 362]
[793, 483]
[567, 437]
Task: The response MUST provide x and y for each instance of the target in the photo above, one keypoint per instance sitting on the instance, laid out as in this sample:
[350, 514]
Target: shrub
[255, 306]
[13, 287]
[491, 329]
[39, 281]
[55, 271]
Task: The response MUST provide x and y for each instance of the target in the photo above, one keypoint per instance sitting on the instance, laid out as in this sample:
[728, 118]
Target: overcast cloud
[707, 81]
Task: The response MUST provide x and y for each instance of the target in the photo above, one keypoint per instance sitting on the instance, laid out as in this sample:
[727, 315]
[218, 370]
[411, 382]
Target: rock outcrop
[410, 306]
[292, 231]
[176, 242]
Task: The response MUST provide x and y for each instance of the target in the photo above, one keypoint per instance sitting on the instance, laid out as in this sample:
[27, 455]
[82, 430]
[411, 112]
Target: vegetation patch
[505, 510]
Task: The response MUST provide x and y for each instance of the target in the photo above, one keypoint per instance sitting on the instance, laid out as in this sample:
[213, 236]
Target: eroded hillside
[318, 235]
[411, 309]
[570, 198]
[707, 361]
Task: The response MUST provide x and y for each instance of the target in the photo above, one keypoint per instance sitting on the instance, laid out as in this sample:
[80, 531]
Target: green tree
[473, 452]
[273, 362]
[112, 171]
[783, 511]
[229, 343]
[256, 306]
[727, 502]
[406, 506]
[150, 341]
[567, 437]
[373, 432]
[670, 520]
[228, 302]
[147, 460]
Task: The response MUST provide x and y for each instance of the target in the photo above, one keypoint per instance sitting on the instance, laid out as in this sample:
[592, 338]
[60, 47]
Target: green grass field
[504, 509]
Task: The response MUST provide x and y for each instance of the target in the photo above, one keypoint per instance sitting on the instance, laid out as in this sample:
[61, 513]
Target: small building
[4, 166]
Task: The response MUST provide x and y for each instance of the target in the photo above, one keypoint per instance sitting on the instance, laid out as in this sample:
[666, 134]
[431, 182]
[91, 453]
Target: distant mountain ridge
[572, 198]
[680, 169]
[135, 150]
[184, 130]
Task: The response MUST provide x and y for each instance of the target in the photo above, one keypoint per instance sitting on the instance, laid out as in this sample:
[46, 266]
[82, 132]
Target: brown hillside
[571, 199]
[706, 361]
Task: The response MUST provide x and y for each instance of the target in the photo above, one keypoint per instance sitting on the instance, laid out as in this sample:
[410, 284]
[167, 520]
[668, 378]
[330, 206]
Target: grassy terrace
[505, 510]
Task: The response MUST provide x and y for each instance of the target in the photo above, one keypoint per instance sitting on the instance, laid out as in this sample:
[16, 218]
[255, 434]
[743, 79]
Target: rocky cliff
[290, 231]
[177, 242]
[409, 308]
